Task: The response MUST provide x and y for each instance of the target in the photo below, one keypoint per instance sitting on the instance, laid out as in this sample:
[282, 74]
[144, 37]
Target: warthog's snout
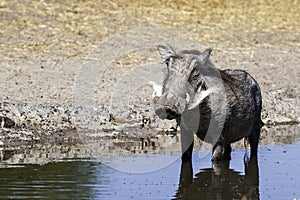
[166, 113]
[169, 107]
[168, 103]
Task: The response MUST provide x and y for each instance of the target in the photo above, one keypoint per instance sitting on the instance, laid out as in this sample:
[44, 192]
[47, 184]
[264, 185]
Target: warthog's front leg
[227, 152]
[217, 153]
[187, 144]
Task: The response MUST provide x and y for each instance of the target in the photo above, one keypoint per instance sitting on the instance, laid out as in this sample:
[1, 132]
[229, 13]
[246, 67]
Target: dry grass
[63, 29]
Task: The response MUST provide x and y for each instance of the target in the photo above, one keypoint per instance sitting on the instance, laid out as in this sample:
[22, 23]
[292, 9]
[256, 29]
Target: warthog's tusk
[157, 89]
[199, 97]
[187, 99]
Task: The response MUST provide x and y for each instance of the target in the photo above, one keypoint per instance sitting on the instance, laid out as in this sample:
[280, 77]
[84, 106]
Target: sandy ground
[85, 64]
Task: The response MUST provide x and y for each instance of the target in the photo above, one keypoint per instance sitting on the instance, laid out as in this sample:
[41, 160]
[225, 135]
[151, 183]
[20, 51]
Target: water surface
[274, 175]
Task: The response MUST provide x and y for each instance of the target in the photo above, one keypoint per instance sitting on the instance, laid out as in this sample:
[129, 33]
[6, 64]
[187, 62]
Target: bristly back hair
[195, 52]
[230, 81]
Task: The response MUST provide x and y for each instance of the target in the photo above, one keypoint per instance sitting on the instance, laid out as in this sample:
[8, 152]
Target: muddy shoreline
[56, 124]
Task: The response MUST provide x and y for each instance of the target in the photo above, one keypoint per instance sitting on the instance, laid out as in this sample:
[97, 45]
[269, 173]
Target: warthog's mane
[179, 55]
[231, 81]
[194, 52]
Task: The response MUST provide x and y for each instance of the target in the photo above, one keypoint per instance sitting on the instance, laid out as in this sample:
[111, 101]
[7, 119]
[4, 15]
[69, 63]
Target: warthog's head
[184, 85]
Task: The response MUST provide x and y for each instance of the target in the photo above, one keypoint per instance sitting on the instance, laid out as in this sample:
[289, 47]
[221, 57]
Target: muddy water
[59, 172]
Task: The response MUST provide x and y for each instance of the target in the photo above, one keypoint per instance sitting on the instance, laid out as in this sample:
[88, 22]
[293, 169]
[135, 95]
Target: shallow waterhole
[78, 173]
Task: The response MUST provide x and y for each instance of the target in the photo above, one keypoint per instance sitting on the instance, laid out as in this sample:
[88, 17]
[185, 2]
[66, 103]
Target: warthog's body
[219, 106]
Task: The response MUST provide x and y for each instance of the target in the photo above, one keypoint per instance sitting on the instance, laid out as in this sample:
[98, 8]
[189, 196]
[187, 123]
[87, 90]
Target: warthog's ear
[204, 56]
[165, 52]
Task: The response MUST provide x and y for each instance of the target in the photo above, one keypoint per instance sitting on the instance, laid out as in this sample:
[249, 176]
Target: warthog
[219, 106]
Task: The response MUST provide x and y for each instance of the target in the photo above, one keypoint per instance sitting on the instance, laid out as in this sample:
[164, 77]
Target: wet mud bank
[22, 123]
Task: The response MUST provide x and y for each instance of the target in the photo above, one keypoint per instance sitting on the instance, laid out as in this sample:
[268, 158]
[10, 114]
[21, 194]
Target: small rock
[6, 122]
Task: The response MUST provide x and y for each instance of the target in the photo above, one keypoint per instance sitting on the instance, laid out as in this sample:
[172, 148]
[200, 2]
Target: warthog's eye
[194, 74]
[167, 62]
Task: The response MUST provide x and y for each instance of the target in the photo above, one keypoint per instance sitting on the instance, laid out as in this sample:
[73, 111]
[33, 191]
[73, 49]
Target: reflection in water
[103, 148]
[97, 149]
[70, 180]
[219, 182]
[85, 179]
[38, 172]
